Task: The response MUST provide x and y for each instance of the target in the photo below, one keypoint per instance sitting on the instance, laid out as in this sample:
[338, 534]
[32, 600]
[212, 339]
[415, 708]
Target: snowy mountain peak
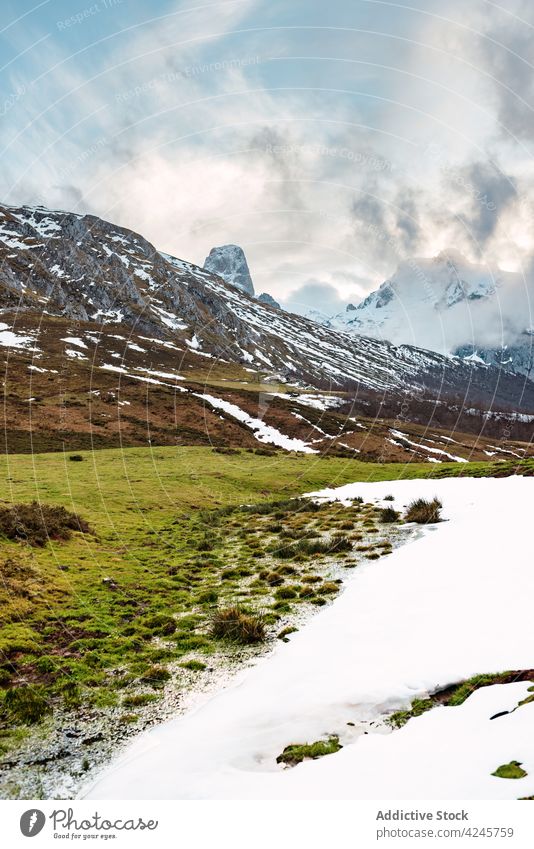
[443, 304]
[230, 263]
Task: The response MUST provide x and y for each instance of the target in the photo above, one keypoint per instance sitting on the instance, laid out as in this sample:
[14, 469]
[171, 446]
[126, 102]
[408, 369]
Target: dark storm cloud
[370, 211]
[488, 192]
[394, 224]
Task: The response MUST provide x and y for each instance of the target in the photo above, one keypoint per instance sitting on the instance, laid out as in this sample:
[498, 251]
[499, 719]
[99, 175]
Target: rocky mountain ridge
[85, 269]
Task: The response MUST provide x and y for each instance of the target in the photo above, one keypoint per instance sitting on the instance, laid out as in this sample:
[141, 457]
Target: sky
[330, 140]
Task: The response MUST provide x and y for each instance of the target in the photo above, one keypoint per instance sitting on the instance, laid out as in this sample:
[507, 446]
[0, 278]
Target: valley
[163, 429]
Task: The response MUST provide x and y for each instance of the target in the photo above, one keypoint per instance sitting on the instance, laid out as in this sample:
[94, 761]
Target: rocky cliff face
[265, 298]
[230, 263]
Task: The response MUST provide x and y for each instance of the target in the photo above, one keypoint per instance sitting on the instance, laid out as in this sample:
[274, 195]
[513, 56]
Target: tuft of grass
[388, 515]
[285, 632]
[328, 587]
[138, 700]
[128, 718]
[274, 579]
[510, 770]
[233, 623]
[298, 752]
[36, 523]
[26, 705]
[308, 546]
[424, 512]
[208, 597]
[285, 593]
[156, 676]
[193, 665]
[160, 625]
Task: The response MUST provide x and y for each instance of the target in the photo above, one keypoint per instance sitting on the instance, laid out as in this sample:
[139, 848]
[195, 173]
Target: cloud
[315, 295]
[506, 50]
[487, 193]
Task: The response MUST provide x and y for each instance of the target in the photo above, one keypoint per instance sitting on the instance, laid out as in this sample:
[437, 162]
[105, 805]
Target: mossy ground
[510, 770]
[298, 752]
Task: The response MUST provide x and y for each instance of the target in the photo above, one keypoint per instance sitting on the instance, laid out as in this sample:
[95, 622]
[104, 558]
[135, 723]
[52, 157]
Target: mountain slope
[86, 269]
[105, 341]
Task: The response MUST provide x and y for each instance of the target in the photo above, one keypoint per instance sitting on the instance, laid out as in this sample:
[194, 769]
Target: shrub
[424, 512]
[76, 458]
[36, 523]
[235, 624]
[388, 515]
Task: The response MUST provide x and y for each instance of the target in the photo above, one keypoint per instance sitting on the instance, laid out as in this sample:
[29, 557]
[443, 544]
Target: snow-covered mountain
[449, 305]
[230, 263]
[88, 270]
